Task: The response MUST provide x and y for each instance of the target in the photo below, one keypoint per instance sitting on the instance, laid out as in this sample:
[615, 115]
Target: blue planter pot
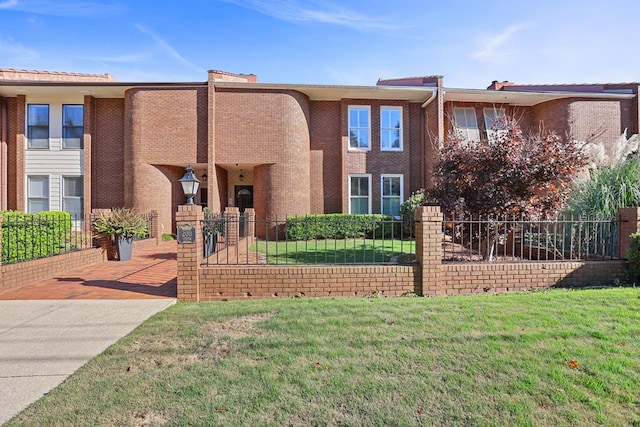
[125, 247]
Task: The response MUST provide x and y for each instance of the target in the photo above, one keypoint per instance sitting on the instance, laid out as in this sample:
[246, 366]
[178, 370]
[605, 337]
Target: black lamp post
[189, 184]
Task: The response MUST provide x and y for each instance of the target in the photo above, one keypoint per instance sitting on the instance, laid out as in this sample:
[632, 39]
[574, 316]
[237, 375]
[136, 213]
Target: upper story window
[359, 127]
[466, 123]
[391, 129]
[38, 126]
[493, 123]
[359, 191]
[72, 126]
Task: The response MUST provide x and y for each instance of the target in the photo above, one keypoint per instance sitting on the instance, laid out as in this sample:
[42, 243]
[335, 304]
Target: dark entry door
[244, 197]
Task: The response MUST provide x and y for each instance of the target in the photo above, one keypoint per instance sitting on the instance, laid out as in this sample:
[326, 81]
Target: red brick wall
[588, 118]
[376, 161]
[326, 141]
[12, 155]
[474, 278]
[222, 283]
[16, 275]
[270, 130]
[107, 154]
[165, 129]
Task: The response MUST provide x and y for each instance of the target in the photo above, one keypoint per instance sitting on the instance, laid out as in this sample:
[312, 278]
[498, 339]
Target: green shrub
[30, 236]
[341, 226]
[633, 259]
[409, 206]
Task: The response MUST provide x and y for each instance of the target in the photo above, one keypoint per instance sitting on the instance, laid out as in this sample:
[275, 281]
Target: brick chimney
[496, 85]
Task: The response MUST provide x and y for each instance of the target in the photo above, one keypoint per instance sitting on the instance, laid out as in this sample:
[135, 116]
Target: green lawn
[544, 358]
[329, 251]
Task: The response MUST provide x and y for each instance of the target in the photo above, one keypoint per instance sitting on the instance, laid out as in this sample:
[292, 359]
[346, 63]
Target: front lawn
[330, 251]
[544, 358]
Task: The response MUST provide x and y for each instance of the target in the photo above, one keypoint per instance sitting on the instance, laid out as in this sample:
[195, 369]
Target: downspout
[423, 126]
[3, 155]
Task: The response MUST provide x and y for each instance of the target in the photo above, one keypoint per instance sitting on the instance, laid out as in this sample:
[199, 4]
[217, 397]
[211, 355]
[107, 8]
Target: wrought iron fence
[25, 238]
[519, 239]
[318, 239]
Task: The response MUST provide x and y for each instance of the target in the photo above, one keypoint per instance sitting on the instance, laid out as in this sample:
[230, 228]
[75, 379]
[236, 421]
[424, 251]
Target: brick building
[78, 142]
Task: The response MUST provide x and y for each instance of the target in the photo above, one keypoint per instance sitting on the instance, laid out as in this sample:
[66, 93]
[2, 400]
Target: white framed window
[72, 195]
[491, 121]
[391, 128]
[466, 123]
[37, 193]
[360, 193]
[391, 194]
[38, 126]
[72, 126]
[359, 127]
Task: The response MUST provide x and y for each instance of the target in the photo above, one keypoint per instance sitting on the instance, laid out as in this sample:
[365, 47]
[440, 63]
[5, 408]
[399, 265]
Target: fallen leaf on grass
[318, 365]
[420, 411]
[544, 405]
[221, 410]
[573, 364]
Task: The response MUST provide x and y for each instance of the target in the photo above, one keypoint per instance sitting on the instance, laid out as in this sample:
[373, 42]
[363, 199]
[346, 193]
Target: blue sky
[352, 42]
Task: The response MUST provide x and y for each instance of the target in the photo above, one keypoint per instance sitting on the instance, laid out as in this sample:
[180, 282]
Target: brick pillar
[189, 254]
[155, 227]
[232, 219]
[429, 249]
[250, 221]
[628, 223]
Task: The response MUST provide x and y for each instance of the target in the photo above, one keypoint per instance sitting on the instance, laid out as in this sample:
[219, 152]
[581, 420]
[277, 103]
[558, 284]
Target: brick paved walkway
[151, 273]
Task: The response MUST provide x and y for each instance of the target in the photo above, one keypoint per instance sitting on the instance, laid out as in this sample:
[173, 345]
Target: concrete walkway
[51, 328]
[43, 342]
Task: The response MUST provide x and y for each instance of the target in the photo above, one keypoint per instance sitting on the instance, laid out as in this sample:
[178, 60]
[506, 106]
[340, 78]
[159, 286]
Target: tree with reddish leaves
[507, 175]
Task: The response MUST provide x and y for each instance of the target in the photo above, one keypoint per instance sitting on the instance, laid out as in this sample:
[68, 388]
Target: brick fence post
[189, 254]
[428, 231]
[628, 223]
[155, 227]
[250, 221]
[232, 219]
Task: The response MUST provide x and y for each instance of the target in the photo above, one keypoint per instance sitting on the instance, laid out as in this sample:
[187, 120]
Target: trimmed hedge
[341, 226]
[30, 236]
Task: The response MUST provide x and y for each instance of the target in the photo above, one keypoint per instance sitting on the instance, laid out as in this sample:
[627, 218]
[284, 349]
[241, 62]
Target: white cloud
[14, 52]
[495, 48]
[8, 4]
[323, 12]
[167, 49]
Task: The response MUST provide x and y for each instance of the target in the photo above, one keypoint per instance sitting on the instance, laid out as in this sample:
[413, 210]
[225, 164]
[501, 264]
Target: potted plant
[213, 227]
[123, 225]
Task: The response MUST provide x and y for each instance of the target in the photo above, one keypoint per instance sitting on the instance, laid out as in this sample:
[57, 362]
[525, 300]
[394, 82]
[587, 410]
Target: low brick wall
[221, 283]
[22, 273]
[473, 278]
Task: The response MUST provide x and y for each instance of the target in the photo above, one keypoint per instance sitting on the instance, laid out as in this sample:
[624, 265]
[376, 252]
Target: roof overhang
[60, 89]
[336, 93]
[522, 98]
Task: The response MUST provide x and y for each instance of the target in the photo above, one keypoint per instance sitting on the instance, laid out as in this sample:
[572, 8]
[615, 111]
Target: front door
[244, 197]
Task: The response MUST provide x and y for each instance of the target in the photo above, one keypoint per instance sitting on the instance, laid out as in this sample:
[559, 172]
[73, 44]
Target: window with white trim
[359, 127]
[360, 194]
[72, 126]
[38, 126]
[492, 122]
[391, 194]
[37, 194]
[72, 194]
[466, 123]
[391, 128]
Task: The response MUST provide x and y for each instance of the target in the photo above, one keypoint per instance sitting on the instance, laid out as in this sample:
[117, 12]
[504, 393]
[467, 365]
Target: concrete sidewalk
[42, 342]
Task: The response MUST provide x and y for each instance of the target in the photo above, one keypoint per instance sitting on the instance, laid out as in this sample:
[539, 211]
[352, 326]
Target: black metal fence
[339, 239]
[518, 239]
[26, 238]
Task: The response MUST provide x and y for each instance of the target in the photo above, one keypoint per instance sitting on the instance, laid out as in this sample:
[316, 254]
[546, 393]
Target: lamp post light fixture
[189, 184]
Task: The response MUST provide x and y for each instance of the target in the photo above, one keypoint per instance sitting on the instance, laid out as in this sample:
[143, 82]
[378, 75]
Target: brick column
[155, 227]
[189, 254]
[232, 219]
[428, 231]
[628, 223]
[250, 215]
